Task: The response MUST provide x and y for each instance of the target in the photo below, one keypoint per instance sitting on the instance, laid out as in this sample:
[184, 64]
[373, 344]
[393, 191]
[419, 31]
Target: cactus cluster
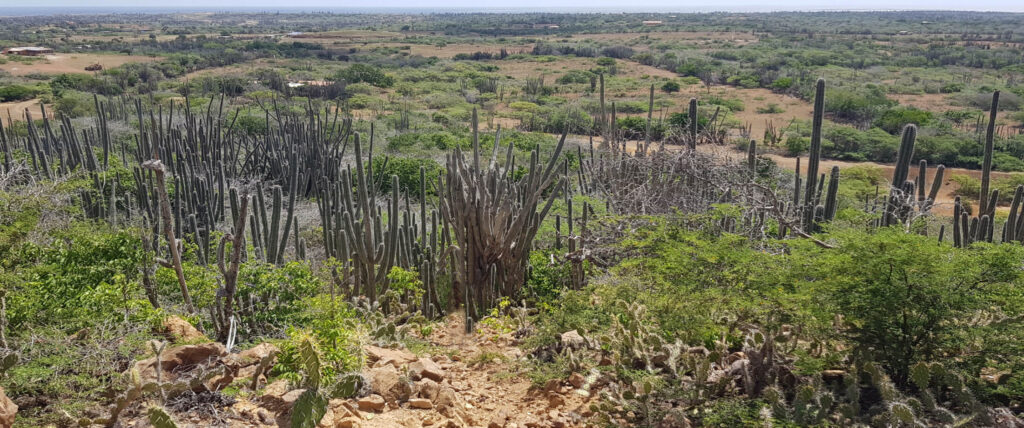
[494, 217]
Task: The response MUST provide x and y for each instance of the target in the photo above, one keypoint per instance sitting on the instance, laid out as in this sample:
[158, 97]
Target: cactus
[814, 156]
[309, 409]
[692, 124]
[752, 158]
[494, 219]
[159, 418]
[986, 165]
[229, 270]
[165, 205]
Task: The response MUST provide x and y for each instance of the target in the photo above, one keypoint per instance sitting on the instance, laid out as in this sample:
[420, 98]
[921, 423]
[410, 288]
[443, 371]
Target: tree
[670, 87]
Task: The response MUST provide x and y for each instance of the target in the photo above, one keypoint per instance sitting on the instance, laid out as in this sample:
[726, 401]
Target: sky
[596, 5]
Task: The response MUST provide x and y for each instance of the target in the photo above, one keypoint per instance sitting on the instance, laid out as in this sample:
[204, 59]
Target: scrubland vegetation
[354, 220]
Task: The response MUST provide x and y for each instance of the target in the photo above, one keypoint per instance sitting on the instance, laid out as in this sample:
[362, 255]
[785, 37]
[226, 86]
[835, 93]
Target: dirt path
[15, 111]
[485, 370]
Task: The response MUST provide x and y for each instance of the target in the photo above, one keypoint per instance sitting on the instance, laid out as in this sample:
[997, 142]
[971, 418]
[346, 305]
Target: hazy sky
[603, 5]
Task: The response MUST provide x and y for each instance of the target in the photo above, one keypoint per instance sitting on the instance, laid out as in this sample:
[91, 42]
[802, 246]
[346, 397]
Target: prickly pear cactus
[159, 418]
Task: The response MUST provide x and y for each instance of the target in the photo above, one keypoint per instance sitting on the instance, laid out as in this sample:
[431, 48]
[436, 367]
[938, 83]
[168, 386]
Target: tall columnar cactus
[650, 113]
[366, 240]
[494, 219]
[897, 198]
[833, 191]
[814, 156]
[692, 124]
[752, 157]
[986, 165]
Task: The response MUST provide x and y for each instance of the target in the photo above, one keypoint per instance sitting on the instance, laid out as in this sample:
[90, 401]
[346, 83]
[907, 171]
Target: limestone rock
[420, 403]
[385, 381]
[378, 356]
[427, 368]
[572, 339]
[372, 403]
[498, 419]
[577, 380]
[426, 388]
[179, 359]
[273, 396]
[447, 401]
[252, 356]
[180, 330]
[8, 410]
[555, 401]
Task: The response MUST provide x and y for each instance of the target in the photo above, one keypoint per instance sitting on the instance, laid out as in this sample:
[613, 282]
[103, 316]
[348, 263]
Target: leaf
[309, 409]
[160, 419]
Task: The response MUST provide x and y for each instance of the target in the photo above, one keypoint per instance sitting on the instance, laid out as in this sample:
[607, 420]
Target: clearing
[70, 63]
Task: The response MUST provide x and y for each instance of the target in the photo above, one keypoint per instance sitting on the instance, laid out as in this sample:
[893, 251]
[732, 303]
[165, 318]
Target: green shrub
[359, 73]
[408, 172]
[17, 93]
[670, 87]
[771, 108]
[899, 293]
[893, 120]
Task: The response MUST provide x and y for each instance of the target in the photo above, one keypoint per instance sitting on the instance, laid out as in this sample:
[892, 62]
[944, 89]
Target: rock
[349, 422]
[252, 356]
[420, 403]
[447, 401]
[385, 381]
[426, 388]
[736, 368]
[288, 400]
[265, 417]
[378, 356]
[343, 409]
[572, 339]
[180, 330]
[327, 421]
[735, 356]
[577, 380]
[8, 410]
[552, 385]
[273, 395]
[371, 403]
[426, 368]
[555, 401]
[186, 356]
[499, 419]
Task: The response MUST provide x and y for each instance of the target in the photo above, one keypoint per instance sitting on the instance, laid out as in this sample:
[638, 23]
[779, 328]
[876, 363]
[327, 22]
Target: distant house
[545, 26]
[27, 51]
[651, 23]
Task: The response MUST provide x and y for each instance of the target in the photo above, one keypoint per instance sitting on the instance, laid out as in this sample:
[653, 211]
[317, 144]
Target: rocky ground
[464, 380]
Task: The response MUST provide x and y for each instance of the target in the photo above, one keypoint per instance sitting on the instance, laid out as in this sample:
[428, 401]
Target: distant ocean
[10, 11]
[104, 10]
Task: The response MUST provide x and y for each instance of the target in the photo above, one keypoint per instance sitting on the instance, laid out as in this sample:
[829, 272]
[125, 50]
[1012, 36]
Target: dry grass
[71, 63]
